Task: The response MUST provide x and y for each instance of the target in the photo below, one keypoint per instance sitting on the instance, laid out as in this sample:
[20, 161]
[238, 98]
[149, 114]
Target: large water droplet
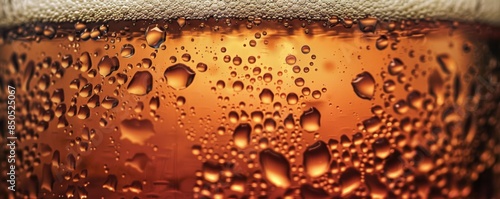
[84, 62]
[109, 102]
[127, 51]
[179, 76]
[372, 124]
[141, 83]
[317, 159]
[350, 179]
[275, 167]
[394, 165]
[310, 120]
[396, 66]
[241, 135]
[136, 131]
[110, 183]
[107, 65]
[364, 85]
[266, 96]
[382, 42]
[155, 36]
[381, 148]
[211, 171]
[292, 98]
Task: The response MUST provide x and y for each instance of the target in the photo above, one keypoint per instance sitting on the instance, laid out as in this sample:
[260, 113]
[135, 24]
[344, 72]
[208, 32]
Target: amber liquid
[253, 109]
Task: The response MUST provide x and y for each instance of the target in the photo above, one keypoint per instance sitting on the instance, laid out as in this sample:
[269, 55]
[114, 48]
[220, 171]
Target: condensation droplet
[275, 168]
[310, 120]
[141, 83]
[241, 135]
[155, 36]
[266, 96]
[127, 51]
[317, 159]
[364, 85]
[179, 76]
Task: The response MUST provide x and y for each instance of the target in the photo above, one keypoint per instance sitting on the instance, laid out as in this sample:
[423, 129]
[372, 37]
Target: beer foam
[27, 11]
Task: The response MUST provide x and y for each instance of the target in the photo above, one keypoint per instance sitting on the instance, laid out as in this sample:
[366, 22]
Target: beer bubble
[364, 85]
[179, 76]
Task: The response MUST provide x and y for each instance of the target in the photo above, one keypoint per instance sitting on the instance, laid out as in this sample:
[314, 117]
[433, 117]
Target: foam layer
[15, 12]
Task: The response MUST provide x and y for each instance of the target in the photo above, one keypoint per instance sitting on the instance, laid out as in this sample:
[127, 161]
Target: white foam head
[14, 12]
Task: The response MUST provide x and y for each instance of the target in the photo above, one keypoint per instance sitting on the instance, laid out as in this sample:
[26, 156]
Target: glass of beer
[250, 99]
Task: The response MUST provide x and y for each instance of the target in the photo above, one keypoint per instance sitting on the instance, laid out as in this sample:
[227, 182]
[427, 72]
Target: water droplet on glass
[401, 107]
[372, 124]
[107, 65]
[275, 167]
[290, 59]
[110, 183]
[310, 120]
[381, 148]
[364, 85]
[382, 42]
[141, 83]
[389, 86]
[350, 180]
[436, 87]
[84, 62]
[396, 66]
[202, 67]
[305, 49]
[211, 171]
[394, 165]
[127, 51]
[155, 36]
[241, 135]
[316, 159]
[266, 96]
[179, 76]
